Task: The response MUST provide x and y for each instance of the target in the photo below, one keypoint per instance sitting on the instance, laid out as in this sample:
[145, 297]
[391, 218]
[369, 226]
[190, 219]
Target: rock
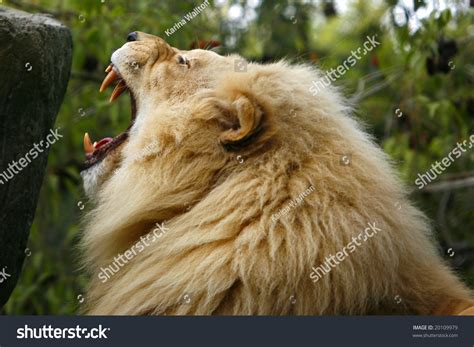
[35, 64]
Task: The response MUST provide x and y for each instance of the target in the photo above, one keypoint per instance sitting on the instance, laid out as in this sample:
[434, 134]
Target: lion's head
[186, 104]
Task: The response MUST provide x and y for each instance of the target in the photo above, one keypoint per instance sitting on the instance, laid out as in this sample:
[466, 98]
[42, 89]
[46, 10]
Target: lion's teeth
[111, 76]
[109, 68]
[119, 89]
[88, 146]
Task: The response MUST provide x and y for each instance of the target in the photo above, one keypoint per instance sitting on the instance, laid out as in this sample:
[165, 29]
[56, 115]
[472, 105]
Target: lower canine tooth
[88, 147]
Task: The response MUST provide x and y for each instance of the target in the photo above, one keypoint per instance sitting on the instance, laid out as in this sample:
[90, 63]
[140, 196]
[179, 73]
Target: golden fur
[230, 150]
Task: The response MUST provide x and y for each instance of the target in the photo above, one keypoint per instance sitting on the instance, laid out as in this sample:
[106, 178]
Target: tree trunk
[35, 63]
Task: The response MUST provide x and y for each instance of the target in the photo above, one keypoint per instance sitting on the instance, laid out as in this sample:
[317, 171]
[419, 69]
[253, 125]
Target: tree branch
[449, 185]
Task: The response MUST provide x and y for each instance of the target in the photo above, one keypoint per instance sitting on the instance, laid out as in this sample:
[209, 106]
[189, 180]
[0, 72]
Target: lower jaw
[102, 153]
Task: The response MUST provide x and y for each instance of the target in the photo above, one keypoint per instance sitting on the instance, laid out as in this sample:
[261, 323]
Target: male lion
[247, 185]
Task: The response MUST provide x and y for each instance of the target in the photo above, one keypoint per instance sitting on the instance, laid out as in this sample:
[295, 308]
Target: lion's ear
[244, 120]
[243, 114]
[246, 117]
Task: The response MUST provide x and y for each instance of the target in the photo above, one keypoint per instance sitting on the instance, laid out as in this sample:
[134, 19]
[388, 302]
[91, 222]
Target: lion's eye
[183, 60]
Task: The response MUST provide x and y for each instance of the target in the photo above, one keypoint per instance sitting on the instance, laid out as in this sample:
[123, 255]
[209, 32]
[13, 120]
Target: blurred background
[414, 91]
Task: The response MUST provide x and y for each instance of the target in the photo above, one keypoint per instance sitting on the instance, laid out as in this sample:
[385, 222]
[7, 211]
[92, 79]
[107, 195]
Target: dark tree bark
[35, 63]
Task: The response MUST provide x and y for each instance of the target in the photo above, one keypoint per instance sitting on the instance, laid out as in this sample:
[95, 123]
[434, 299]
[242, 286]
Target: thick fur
[229, 151]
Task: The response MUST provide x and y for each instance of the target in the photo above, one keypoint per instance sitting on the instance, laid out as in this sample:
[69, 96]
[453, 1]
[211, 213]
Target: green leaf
[444, 18]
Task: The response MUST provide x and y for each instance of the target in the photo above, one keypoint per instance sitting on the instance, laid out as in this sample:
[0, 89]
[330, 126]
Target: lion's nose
[132, 36]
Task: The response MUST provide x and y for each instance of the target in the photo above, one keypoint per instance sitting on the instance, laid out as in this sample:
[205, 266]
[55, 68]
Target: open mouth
[97, 151]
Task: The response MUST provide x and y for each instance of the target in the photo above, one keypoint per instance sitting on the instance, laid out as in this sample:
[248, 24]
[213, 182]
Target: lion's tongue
[103, 142]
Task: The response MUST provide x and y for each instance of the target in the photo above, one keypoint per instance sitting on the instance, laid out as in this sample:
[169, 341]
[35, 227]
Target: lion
[232, 189]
